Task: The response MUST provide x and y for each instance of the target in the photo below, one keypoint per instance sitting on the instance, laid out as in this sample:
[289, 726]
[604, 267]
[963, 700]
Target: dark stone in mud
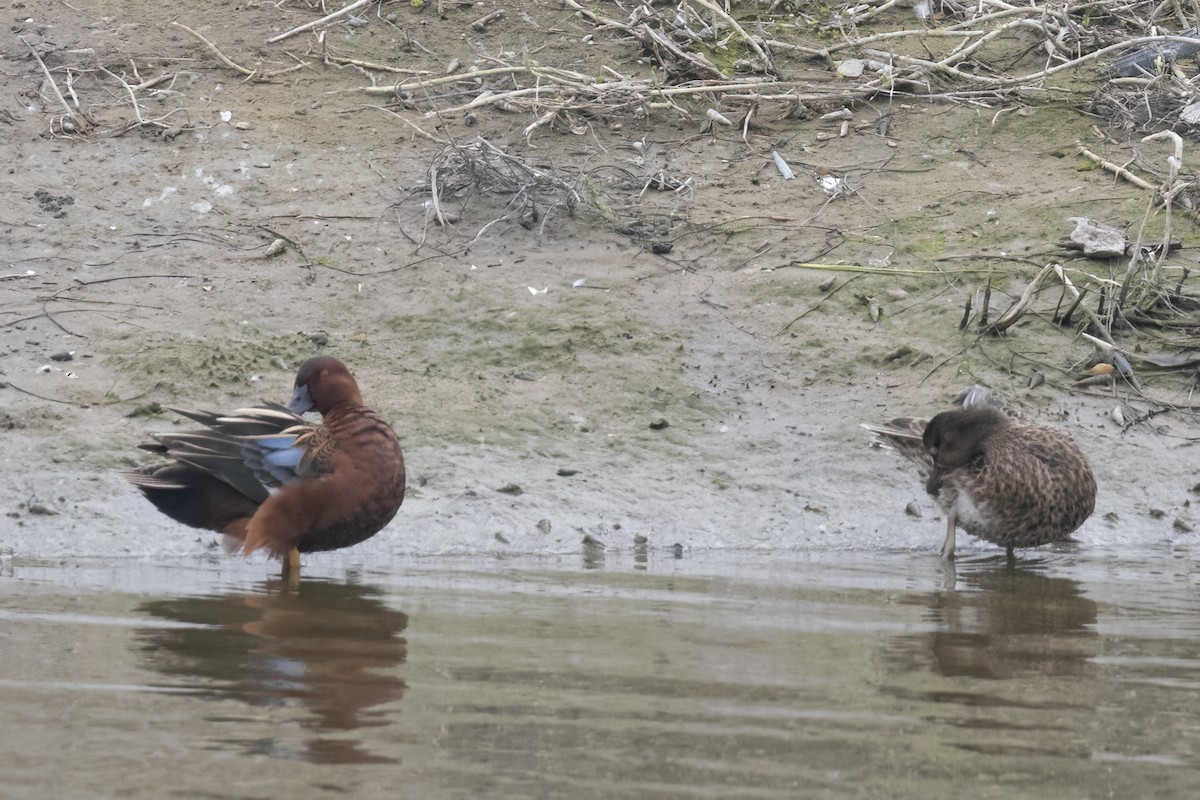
[511, 488]
[566, 472]
[62, 355]
[659, 424]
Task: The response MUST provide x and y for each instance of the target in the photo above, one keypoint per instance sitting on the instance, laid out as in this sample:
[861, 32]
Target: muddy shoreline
[506, 356]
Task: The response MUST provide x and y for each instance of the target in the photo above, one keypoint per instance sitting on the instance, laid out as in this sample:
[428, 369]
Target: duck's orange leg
[291, 564]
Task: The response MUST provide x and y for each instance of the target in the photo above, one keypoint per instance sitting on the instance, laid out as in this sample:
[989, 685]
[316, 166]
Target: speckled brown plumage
[1002, 479]
[267, 478]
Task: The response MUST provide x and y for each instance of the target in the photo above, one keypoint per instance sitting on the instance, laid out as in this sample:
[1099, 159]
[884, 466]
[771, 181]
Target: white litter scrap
[782, 166]
[833, 185]
[716, 116]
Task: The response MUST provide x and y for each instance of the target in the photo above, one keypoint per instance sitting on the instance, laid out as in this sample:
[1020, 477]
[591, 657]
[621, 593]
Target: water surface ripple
[722, 675]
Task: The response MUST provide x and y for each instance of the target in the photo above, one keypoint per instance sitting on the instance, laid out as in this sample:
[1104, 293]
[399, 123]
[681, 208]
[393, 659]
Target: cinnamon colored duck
[269, 479]
[1002, 479]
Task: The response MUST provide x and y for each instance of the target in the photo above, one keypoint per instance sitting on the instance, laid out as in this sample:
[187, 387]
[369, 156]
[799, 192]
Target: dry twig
[78, 120]
[316, 23]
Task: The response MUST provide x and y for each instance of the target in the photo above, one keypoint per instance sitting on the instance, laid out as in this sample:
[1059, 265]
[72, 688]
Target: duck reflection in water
[326, 650]
[1003, 622]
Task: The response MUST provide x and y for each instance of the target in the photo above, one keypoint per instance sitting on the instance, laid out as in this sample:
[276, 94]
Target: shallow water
[721, 675]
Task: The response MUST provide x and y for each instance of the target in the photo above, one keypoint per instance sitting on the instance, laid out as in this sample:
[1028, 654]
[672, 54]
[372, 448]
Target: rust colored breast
[352, 499]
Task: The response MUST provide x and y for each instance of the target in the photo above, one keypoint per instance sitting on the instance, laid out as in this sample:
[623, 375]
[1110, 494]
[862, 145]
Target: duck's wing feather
[253, 450]
[905, 435]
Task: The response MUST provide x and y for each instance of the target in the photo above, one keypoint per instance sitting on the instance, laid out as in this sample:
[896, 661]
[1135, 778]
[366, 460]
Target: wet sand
[719, 675]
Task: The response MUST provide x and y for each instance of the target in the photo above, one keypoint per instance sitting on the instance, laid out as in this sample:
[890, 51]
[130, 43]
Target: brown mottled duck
[1002, 479]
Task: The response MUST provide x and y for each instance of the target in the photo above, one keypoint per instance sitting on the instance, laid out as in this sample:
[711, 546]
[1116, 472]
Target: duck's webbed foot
[948, 544]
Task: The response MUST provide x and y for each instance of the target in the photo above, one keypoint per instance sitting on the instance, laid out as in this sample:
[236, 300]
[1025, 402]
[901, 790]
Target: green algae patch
[179, 366]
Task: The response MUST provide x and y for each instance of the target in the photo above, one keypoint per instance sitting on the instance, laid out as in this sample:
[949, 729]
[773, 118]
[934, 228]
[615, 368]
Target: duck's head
[321, 384]
[956, 438]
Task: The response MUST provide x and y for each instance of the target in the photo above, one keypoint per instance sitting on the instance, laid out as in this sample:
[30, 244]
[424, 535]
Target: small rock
[63, 355]
[1179, 524]
[501, 538]
[511, 488]
[544, 526]
[38, 509]
[592, 541]
[278, 363]
[640, 540]
[1096, 239]
[566, 472]
[659, 424]
[912, 509]
[851, 68]
[896, 293]
[678, 550]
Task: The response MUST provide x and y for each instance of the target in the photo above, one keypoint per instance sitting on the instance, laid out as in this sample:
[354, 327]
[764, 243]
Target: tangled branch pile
[979, 53]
